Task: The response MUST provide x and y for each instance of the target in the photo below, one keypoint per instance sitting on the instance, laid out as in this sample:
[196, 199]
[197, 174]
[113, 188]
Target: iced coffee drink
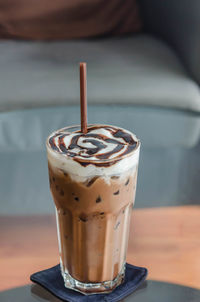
[93, 181]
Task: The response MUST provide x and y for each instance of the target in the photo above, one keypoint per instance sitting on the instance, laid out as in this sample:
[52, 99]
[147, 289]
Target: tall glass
[93, 216]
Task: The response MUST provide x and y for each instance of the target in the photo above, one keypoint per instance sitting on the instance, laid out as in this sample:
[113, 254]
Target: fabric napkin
[51, 279]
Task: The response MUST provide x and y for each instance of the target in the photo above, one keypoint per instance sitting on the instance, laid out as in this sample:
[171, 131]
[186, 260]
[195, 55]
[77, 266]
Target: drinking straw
[83, 96]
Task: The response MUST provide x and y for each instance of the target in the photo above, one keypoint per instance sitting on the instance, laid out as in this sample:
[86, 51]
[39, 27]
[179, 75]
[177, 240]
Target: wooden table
[165, 240]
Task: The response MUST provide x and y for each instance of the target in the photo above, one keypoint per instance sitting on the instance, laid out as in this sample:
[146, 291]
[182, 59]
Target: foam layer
[104, 150]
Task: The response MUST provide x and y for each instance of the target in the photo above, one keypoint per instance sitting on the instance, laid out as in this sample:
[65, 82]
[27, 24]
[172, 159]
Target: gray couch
[160, 66]
[148, 83]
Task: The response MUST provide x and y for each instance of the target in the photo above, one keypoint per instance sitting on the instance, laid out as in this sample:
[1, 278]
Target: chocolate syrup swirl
[102, 145]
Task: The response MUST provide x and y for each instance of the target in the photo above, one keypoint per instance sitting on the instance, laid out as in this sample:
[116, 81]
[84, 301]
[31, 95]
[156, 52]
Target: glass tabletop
[150, 291]
[169, 167]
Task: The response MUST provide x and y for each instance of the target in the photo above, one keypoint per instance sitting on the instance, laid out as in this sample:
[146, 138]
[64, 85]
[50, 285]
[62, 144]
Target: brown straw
[83, 97]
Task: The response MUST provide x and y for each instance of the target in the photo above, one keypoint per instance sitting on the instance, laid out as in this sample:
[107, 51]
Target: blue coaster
[52, 280]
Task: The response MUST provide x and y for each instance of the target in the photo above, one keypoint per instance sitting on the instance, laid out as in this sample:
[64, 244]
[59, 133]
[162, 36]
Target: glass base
[92, 288]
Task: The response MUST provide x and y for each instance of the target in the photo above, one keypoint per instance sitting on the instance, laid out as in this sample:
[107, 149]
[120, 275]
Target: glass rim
[135, 150]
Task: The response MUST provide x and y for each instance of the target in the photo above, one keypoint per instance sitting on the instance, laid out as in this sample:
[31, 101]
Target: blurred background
[143, 74]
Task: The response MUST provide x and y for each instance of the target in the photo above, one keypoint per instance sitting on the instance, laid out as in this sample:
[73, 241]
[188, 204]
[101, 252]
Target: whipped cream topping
[104, 149]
